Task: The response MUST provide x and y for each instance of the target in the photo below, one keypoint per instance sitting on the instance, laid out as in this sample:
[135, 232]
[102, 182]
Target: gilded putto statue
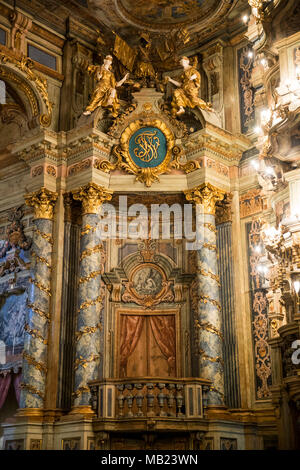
[105, 93]
[187, 93]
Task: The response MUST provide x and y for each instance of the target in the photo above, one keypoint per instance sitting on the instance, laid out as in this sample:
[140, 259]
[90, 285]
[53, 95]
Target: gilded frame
[145, 175]
[137, 311]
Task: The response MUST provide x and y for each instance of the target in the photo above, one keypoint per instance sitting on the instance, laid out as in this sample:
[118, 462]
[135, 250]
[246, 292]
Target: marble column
[38, 316]
[90, 295]
[209, 322]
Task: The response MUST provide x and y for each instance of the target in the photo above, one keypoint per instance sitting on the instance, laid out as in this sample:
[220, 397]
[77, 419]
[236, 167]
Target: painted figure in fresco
[187, 93]
[105, 93]
[147, 282]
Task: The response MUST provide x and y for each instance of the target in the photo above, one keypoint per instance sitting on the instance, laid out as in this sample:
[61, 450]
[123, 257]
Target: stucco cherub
[105, 93]
[187, 93]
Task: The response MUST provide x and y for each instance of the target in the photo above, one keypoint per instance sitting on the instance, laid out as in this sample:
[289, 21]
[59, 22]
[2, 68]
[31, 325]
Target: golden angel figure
[105, 93]
[187, 93]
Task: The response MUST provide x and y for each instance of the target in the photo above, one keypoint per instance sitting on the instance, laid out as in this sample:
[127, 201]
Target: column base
[27, 412]
[82, 410]
[217, 411]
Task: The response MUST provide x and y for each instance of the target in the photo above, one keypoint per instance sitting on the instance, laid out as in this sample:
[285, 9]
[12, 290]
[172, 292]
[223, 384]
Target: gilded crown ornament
[92, 196]
[207, 195]
[43, 202]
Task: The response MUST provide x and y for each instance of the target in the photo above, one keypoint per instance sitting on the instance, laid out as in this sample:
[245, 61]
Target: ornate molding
[26, 65]
[148, 286]
[148, 174]
[92, 196]
[207, 195]
[43, 202]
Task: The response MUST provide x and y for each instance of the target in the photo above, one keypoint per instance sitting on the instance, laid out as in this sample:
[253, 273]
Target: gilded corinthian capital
[92, 196]
[43, 202]
[207, 195]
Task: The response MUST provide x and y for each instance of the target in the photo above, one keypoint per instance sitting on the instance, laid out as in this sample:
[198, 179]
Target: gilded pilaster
[88, 360]
[209, 322]
[38, 316]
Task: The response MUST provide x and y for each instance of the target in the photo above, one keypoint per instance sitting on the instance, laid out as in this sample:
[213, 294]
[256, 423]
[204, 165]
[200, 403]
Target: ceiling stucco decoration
[161, 15]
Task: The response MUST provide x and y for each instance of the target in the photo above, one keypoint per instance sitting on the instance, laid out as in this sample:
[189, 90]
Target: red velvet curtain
[5, 381]
[163, 327]
[17, 382]
[131, 329]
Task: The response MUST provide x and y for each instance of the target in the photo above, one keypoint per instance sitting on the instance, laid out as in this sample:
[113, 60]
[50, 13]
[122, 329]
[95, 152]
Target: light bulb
[265, 115]
[297, 286]
[269, 170]
[257, 130]
[245, 18]
[250, 54]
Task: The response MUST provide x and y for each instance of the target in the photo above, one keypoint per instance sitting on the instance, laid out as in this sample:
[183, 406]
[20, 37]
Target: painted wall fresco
[12, 321]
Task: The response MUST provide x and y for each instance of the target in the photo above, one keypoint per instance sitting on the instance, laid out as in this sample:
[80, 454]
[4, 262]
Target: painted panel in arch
[12, 321]
[148, 147]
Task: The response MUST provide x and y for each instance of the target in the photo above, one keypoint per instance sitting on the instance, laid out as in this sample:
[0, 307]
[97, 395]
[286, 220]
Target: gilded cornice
[206, 195]
[43, 202]
[92, 196]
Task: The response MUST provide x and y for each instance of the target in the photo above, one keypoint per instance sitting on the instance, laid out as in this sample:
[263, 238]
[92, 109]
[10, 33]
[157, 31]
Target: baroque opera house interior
[149, 225]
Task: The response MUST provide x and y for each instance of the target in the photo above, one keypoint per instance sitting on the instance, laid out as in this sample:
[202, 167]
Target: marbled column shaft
[90, 299]
[38, 318]
[210, 320]
[231, 365]
[69, 313]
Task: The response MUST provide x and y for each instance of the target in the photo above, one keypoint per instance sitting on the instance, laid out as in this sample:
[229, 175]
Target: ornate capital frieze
[92, 196]
[207, 195]
[43, 202]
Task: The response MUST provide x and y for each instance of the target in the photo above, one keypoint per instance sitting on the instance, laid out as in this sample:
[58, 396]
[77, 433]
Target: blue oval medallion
[148, 147]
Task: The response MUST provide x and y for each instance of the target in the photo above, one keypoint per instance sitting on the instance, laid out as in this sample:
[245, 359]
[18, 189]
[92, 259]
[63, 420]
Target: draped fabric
[17, 382]
[163, 327]
[131, 329]
[5, 381]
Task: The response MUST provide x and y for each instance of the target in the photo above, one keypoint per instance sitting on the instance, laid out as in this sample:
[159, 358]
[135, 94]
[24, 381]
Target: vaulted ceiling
[203, 19]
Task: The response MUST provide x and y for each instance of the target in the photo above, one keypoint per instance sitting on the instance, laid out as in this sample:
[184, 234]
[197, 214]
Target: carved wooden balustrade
[149, 398]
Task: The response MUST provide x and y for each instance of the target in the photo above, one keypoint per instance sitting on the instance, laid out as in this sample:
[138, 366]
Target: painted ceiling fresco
[167, 12]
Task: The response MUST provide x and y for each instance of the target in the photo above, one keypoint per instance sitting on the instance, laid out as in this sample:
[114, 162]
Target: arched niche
[14, 115]
[30, 87]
